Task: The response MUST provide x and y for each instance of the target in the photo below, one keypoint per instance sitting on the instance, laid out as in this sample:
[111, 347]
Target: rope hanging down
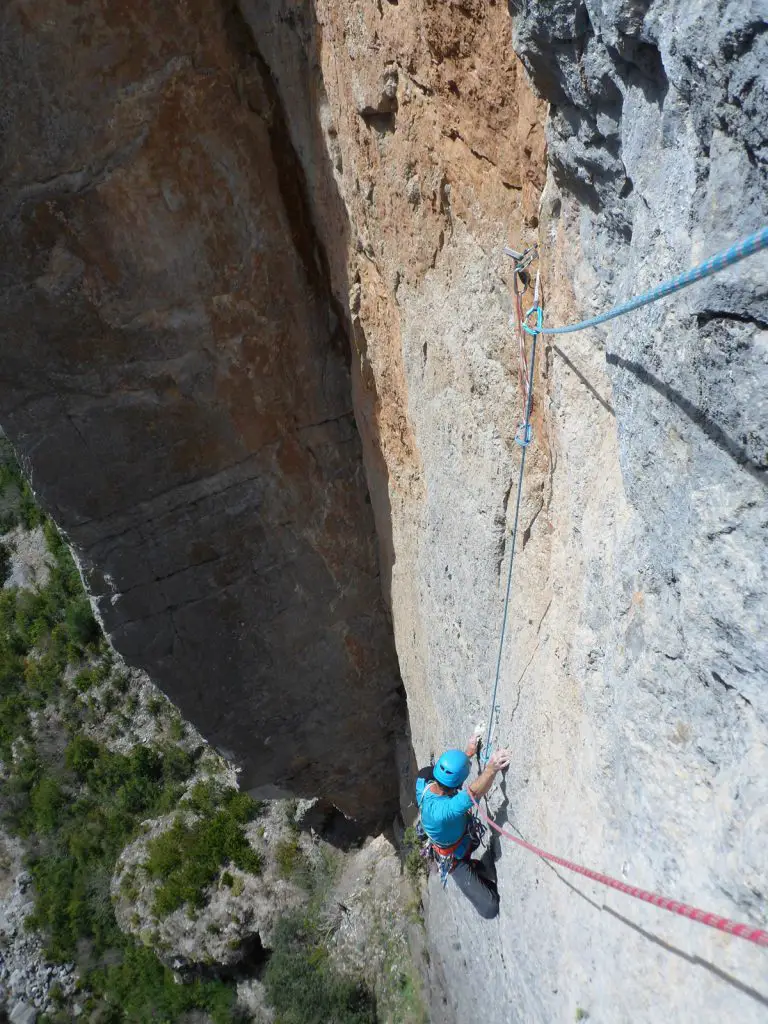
[723, 924]
[754, 243]
[747, 247]
[523, 438]
[522, 260]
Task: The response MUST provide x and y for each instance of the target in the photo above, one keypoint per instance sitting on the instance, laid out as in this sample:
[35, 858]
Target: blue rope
[526, 436]
[747, 247]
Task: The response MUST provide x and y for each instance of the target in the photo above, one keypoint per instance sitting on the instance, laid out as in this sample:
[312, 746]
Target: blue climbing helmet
[451, 769]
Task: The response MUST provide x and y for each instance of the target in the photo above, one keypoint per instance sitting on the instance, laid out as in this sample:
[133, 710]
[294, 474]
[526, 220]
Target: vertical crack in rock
[291, 176]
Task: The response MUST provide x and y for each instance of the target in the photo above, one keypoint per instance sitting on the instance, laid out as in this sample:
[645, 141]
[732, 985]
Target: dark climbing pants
[477, 881]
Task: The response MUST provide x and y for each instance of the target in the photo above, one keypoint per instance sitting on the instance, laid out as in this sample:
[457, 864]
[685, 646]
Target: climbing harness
[446, 858]
[752, 244]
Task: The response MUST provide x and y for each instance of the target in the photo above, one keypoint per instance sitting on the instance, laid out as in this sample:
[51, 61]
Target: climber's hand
[483, 783]
[500, 760]
[473, 744]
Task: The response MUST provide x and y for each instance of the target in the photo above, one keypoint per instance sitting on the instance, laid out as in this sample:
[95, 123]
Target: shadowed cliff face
[174, 374]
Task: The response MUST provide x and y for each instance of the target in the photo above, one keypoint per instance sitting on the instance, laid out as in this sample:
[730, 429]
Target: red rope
[723, 924]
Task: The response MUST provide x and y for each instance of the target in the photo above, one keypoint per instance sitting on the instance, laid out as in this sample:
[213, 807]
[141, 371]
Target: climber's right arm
[498, 762]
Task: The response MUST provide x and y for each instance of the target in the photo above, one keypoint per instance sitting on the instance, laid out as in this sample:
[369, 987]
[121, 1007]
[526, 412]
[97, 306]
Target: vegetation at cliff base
[79, 822]
[5, 564]
[303, 986]
[289, 858]
[188, 856]
[41, 633]
[17, 502]
[76, 803]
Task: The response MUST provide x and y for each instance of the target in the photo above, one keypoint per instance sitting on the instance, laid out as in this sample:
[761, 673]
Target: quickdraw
[523, 259]
[520, 279]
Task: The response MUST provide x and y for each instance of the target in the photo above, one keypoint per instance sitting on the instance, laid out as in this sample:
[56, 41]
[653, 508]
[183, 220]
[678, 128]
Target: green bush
[87, 678]
[155, 706]
[122, 682]
[140, 989]
[41, 632]
[29, 513]
[82, 827]
[176, 729]
[81, 755]
[205, 796]
[16, 491]
[82, 626]
[303, 987]
[8, 520]
[288, 856]
[46, 800]
[92, 816]
[188, 857]
[7, 615]
[14, 720]
[415, 865]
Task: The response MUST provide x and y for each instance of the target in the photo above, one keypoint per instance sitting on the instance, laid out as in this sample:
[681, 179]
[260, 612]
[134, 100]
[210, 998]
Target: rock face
[256, 186]
[175, 376]
[374, 938]
[632, 688]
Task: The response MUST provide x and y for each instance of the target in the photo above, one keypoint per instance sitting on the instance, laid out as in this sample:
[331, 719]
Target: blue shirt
[444, 817]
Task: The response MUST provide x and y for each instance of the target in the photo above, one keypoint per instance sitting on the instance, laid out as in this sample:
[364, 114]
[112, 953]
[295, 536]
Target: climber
[446, 819]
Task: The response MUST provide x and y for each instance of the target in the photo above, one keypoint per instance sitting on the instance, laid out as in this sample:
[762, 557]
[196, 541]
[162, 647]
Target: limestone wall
[633, 680]
[260, 195]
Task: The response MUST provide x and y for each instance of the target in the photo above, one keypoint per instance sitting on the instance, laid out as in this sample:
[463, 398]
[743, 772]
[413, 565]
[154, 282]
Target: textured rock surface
[174, 374]
[633, 686]
[30, 560]
[633, 682]
[303, 847]
[378, 932]
[26, 977]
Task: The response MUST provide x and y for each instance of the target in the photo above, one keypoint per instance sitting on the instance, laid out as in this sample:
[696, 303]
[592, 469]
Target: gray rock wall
[633, 679]
[639, 727]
